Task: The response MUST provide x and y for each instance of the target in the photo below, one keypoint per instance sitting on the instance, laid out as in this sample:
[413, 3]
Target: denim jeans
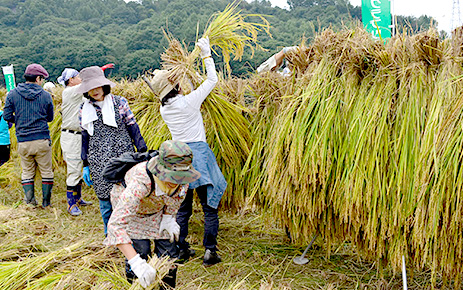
[211, 219]
[106, 209]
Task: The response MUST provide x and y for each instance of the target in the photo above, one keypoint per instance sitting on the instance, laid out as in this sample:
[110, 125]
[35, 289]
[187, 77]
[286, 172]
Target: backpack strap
[176, 190]
[150, 175]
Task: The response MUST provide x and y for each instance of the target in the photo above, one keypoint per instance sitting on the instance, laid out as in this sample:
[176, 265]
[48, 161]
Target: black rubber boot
[46, 192]
[169, 280]
[29, 193]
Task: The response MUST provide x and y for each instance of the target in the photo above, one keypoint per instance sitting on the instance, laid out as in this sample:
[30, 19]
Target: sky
[441, 10]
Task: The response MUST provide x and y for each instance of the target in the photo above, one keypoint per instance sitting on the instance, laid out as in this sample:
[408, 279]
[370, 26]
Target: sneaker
[83, 202]
[184, 255]
[211, 258]
[74, 210]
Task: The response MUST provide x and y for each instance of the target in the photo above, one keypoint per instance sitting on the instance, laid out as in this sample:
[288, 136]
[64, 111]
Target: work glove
[169, 225]
[289, 48]
[86, 176]
[146, 273]
[203, 44]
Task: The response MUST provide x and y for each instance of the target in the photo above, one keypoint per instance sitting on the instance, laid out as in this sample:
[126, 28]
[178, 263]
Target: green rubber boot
[28, 187]
[47, 185]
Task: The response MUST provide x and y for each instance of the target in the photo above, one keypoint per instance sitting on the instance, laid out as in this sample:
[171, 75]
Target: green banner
[376, 18]
[8, 73]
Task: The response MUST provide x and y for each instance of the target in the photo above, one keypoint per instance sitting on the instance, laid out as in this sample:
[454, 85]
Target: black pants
[4, 154]
[161, 248]
[211, 219]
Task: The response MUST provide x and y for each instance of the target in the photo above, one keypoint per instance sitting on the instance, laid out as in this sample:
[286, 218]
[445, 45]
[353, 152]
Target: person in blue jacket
[4, 139]
[30, 108]
[109, 129]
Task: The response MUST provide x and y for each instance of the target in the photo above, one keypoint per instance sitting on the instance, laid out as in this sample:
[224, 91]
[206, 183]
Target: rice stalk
[162, 266]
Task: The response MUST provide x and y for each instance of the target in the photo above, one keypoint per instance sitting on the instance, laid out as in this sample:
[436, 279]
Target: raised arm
[197, 97]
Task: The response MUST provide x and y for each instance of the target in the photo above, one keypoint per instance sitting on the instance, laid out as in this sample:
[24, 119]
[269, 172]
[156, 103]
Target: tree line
[80, 33]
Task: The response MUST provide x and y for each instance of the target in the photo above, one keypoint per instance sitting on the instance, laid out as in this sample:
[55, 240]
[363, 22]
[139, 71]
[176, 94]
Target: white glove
[289, 48]
[145, 273]
[169, 225]
[267, 65]
[203, 44]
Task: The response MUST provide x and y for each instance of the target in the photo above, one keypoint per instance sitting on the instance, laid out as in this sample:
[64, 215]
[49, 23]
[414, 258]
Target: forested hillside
[80, 33]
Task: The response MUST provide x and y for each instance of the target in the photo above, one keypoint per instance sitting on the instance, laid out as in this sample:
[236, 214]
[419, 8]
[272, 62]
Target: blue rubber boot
[78, 196]
[72, 205]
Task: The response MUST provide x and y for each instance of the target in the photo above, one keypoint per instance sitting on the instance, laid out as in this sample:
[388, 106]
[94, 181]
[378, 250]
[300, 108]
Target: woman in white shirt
[182, 114]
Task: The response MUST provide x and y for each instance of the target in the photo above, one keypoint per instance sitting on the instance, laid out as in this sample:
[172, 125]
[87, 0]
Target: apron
[107, 142]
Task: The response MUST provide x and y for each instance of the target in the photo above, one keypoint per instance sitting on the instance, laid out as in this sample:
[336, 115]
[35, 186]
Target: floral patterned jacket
[137, 213]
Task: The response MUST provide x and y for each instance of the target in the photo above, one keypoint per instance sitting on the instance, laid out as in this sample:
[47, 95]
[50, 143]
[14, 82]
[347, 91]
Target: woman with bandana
[71, 139]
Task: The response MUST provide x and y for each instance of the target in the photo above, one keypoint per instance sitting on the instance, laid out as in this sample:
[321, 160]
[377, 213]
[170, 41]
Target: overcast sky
[441, 10]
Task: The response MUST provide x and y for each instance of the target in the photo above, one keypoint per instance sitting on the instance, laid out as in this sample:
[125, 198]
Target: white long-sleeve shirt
[182, 114]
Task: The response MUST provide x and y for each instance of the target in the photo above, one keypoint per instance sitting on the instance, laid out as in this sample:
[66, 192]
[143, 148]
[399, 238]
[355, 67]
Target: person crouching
[145, 209]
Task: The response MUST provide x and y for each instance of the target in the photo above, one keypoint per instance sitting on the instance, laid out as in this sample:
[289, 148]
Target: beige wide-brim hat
[92, 77]
[161, 83]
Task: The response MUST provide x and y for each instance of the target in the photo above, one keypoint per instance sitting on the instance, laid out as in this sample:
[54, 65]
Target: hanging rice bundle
[145, 107]
[268, 92]
[10, 172]
[234, 90]
[368, 149]
[437, 221]
[228, 131]
[55, 134]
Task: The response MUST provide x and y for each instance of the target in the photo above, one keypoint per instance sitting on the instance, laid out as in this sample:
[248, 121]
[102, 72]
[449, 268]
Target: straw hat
[173, 164]
[92, 77]
[161, 83]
